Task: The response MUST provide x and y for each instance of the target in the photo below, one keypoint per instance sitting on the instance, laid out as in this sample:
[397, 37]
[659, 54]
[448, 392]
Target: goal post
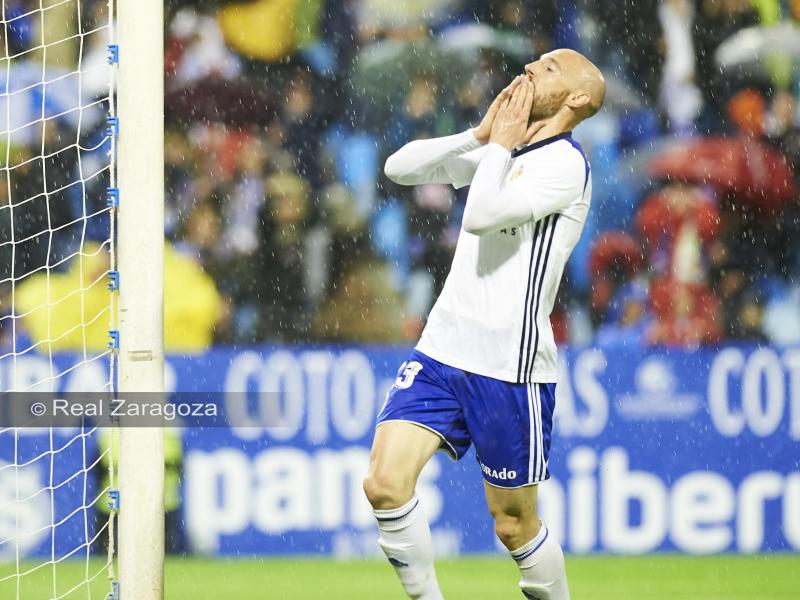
[140, 249]
[81, 294]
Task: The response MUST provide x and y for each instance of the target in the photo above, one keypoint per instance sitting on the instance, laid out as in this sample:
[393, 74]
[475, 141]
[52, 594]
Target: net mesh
[56, 255]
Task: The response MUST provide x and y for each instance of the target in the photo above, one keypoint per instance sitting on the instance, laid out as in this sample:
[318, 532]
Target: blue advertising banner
[693, 452]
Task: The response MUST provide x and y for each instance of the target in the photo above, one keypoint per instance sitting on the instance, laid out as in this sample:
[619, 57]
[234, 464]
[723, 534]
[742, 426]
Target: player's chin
[543, 109]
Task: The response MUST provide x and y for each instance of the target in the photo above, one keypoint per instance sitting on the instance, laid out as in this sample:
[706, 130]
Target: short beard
[540, 113]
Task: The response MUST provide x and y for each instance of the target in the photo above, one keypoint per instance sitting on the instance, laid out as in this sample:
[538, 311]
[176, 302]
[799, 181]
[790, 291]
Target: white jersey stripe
[531, 441]
[539, 441]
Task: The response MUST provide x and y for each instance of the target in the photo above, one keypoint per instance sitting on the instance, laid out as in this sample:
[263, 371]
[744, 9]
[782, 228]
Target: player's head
[565, 80]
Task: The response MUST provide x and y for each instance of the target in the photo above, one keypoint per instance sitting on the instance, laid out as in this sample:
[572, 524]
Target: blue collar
[561, 136]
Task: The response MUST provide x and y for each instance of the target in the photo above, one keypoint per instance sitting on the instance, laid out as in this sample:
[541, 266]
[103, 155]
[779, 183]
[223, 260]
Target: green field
[667, 577]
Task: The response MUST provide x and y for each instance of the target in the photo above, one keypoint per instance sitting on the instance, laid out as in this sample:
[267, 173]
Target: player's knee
[386, 491]
[511, 530]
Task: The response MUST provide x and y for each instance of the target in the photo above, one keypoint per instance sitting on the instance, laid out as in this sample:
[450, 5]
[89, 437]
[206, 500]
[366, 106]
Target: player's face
[550, 85]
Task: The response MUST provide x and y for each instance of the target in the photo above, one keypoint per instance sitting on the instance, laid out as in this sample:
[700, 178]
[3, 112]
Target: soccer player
[484, 369]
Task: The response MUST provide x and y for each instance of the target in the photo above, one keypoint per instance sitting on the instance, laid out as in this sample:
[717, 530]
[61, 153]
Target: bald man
[484, 369]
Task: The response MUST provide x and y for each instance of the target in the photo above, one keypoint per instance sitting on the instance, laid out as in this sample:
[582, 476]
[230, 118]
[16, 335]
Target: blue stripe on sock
[534, 549]
[404, 515]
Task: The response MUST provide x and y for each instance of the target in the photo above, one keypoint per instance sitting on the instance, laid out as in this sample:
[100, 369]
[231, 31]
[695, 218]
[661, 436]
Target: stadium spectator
[638, 41]
[676, 225]
[716, 21]
[679, 94]
[263, 30]
[196, 49]
[687, 314]
[364, 307]
[57, 315]
[52, 307]
[628, 317]
[193, 306]
[300, 123]
[748, 320]
[615, 258]
[388, 18]
[281, 258]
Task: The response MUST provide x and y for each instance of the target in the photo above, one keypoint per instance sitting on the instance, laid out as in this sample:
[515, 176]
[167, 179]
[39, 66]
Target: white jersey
[493, 315]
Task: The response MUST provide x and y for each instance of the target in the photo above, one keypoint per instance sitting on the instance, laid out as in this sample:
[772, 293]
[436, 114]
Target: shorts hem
[447, 448]
[515, 487]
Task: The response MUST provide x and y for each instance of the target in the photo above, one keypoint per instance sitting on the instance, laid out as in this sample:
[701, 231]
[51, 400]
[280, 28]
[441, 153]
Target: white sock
[406, 540]
[541, 563]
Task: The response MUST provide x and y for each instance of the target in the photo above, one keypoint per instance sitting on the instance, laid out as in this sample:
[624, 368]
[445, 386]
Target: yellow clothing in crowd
[192, 304]
[264, 29]
[270, 30]
[53, 308]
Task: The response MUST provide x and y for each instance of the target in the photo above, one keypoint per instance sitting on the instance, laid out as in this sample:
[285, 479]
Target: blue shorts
[509, 423]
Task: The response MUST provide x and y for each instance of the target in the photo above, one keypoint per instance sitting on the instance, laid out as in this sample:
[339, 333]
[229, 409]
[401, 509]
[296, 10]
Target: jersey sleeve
[461, 169]
[490, 206]
[452, 159]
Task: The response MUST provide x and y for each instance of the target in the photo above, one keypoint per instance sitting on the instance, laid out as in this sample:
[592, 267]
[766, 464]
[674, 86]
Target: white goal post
[140, 227]
[81, 294]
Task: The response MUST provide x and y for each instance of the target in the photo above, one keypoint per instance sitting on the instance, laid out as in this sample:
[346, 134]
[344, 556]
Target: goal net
[57, 207]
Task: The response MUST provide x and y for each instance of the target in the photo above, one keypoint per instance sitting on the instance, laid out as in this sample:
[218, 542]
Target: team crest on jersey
[517, 173]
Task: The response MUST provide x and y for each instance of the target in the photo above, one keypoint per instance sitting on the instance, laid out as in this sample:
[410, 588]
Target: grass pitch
[664, 577]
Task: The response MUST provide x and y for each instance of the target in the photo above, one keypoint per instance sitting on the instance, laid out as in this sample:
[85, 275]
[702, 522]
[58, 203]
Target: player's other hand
[483, 131]
[510, 126]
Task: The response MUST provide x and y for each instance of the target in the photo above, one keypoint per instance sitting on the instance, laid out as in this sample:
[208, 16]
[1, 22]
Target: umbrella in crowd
[387, 67]
[752, 170]
[469, 41]
[620, 95]
[755, 46]
[452, 55]
[236, 102]
[391, 64]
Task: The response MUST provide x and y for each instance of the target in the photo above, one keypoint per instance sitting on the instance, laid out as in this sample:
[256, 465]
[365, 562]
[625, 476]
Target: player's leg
[399, 453]
[420, 416]
[510, 425]
[536, 552]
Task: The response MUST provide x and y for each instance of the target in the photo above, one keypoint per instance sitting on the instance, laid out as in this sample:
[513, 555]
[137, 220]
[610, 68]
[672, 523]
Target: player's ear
[578, 100]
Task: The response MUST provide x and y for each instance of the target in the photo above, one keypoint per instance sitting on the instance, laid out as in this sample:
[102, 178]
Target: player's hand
[510, 126]
[484, 130]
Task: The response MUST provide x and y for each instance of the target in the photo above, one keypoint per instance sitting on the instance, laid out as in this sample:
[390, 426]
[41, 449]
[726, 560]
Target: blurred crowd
[280, 114]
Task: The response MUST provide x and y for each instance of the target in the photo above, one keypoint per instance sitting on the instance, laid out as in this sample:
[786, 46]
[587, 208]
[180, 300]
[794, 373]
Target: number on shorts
[406, 374]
